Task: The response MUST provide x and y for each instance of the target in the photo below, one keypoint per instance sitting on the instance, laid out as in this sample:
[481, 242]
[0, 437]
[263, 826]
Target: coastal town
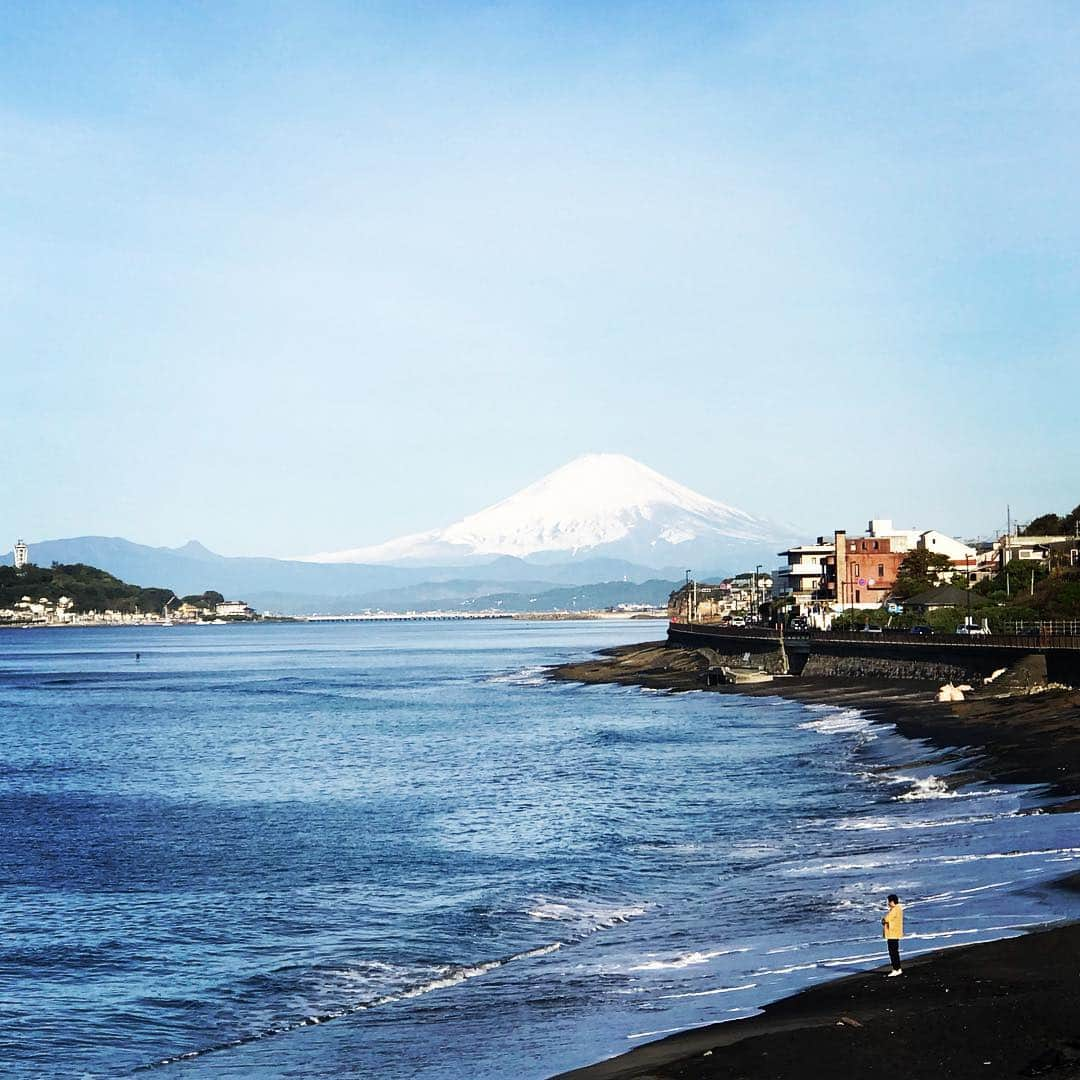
[860, 577]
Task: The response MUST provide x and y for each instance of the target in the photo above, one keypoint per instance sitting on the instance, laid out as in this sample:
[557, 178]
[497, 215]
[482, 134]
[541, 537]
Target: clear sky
[299, 277]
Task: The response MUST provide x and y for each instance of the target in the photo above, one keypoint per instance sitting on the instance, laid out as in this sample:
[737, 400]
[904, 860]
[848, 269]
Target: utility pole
[1005, 548]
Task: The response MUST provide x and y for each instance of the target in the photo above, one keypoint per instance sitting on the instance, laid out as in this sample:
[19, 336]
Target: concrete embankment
[892, 655]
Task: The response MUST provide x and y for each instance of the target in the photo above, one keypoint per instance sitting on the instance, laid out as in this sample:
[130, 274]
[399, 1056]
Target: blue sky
[298, 277]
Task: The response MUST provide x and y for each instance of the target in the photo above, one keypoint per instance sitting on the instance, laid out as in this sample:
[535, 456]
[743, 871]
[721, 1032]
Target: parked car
[799, 623]
[925, 630]
[872, 630]
[973, 631]
[738, 620]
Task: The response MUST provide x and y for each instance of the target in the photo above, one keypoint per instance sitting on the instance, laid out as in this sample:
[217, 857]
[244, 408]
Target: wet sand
[1008, 1008]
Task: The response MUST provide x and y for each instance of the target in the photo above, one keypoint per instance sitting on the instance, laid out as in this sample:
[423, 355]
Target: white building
[233, 609]
[22, 554]
[956, 551]
[901, 539]
[1029, 548]
[803, 576]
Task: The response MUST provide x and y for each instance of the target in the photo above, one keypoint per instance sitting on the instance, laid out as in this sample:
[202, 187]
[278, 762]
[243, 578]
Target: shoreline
[1005, 1007]
[999, 1008]
[1010, 735]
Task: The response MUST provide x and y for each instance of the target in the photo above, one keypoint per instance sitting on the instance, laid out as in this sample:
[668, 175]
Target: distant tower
[22, 555]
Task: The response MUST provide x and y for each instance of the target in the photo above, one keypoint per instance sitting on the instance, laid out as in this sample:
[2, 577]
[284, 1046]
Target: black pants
[894, 953]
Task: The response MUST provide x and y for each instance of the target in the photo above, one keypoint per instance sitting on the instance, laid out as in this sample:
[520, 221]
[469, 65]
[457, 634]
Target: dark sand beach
[1002, 1009]
[1007, 1008]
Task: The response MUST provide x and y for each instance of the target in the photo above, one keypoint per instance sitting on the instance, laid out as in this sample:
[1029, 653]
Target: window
[855, 569]
[880, 569]
[875, 545]
[858, 596]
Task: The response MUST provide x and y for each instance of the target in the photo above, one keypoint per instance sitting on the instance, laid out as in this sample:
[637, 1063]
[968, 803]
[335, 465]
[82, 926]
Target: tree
[919, 571]
[1053, 524]
[208, 599]
[1045, 525]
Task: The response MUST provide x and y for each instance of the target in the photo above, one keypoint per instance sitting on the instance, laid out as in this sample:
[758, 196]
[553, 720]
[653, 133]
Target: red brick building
[862, 570]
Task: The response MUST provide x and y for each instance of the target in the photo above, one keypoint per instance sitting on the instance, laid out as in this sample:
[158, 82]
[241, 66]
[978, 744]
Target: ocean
[398, 851]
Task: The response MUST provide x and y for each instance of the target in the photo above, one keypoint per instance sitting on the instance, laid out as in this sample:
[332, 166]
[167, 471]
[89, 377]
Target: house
[944, 596]
[1029, 548]
[961, 555]
[803, 578]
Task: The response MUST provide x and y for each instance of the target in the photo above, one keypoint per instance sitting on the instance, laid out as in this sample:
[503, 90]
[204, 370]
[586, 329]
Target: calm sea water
[395, 851]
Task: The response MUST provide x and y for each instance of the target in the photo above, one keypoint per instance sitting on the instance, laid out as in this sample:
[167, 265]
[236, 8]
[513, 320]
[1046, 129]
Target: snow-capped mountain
[597, 505]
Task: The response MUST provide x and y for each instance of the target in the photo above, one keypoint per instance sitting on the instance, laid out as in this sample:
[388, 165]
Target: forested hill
[91, 589]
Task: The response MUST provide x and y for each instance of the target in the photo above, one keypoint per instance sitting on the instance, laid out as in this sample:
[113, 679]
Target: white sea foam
[967, 932]
[687, 960]
[588, 915]
[444, 978]
[836, 867]
[648, 1034]
[707, 993]
[810, 965]
[838, 961]
[840, 722]
[885, 824]
[784, 970]
[1052, 854]
[527, 676]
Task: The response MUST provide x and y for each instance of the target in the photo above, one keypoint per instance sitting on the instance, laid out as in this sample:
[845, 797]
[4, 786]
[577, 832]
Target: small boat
[742, 675]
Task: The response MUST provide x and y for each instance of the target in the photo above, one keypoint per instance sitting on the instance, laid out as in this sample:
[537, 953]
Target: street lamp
[757, 605]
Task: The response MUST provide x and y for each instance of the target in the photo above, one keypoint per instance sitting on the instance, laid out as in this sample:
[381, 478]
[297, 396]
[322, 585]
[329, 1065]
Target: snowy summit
[597, 505]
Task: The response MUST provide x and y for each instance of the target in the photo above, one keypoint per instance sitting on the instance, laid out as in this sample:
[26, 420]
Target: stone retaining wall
[772, 661]
[871, 667]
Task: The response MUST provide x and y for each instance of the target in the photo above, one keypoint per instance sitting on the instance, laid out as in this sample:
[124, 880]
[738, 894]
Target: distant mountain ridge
[603, 518]
[297, 587]
[597, 505]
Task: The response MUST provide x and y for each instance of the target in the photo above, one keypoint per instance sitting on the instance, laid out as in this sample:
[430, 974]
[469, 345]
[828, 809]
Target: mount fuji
[597, 506]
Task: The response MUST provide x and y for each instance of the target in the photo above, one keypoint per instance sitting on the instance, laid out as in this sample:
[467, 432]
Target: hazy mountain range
[603, 518]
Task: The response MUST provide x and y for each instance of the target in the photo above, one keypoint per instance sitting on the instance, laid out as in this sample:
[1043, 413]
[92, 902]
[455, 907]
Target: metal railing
[1068, 627]
[1024, 640]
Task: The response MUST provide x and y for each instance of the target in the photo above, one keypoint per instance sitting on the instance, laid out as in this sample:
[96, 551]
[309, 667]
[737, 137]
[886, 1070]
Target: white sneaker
[893, 974]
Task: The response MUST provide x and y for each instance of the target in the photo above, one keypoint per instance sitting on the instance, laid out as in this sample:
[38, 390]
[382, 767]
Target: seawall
[897, 655]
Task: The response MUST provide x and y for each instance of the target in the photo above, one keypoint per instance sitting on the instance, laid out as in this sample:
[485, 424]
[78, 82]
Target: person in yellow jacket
[893, 928]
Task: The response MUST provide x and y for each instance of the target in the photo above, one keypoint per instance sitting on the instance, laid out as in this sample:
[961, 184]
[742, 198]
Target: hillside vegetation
[88, 587]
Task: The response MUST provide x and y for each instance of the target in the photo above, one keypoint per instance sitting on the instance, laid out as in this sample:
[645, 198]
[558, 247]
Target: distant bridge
[409, 616]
